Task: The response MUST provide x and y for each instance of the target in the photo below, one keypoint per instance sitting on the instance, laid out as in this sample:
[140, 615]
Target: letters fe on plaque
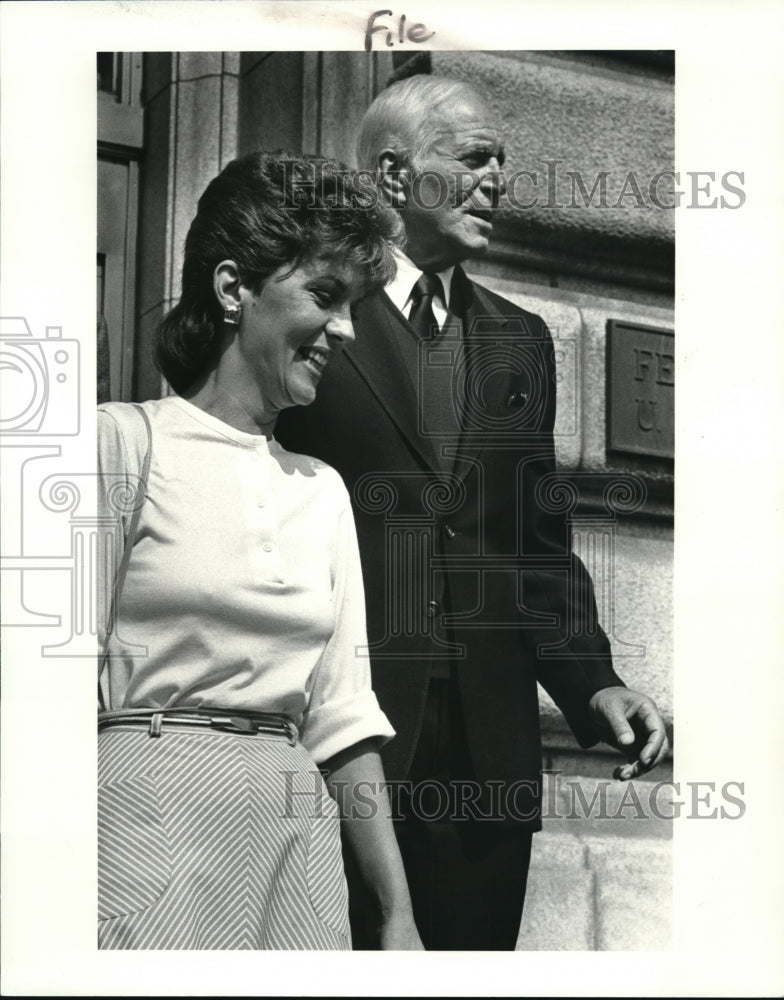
[640, 390]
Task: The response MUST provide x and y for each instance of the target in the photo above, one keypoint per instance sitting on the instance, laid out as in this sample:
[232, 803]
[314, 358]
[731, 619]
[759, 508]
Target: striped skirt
[214, 840]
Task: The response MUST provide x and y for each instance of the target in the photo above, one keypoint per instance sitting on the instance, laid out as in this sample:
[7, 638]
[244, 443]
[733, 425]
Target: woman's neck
[226, 403]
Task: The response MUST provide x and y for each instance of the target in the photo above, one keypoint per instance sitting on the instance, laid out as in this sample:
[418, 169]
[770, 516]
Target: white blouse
[244, 589]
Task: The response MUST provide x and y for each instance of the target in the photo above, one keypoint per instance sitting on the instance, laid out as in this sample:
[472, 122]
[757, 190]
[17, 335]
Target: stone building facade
[586, 239]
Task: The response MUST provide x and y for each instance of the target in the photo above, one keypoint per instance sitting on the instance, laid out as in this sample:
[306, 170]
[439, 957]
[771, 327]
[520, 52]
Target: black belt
[221, 719]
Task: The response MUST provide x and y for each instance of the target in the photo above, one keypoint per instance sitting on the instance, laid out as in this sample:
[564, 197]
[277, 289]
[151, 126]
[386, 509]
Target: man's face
[454, 187]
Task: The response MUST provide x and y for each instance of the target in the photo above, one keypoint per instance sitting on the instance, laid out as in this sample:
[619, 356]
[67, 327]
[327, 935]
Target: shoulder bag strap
[119, 579]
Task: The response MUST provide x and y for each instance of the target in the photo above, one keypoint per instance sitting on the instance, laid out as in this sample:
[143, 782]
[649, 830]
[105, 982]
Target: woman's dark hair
[263, 212]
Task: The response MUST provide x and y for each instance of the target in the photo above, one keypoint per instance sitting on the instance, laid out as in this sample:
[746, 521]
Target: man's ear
[393, 178]
[226, 284]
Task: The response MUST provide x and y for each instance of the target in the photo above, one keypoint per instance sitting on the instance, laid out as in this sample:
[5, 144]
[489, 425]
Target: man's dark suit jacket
[479, 557]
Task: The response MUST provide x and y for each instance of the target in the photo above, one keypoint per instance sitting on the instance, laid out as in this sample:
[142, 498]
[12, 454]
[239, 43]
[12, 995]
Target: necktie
[438, 404]
[438, 418]
[421, 316]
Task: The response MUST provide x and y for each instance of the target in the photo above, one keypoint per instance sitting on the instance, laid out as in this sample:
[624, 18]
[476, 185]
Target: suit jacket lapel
[474, 315]
[379, 360]
[482, 318]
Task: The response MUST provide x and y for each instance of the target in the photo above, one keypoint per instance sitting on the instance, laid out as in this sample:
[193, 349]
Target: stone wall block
[643, 616]
[190, 133]
[197, 65]
[608, 809]
[589, 123]
[599, 762]
[345, 91]
[633, 894]
[229, 112]
[153, 273]
[159, 73]
[635, 609]
[558, 913]
[270, 115]
[197, 152]
[150, 383]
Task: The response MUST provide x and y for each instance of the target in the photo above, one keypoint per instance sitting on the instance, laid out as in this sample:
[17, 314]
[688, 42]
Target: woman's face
[295, 327]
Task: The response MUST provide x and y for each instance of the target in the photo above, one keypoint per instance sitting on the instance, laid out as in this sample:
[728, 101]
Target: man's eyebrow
[482, 144]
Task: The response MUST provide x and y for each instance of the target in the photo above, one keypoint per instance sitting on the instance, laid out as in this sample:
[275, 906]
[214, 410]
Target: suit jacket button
[517, 399]
[433, 608]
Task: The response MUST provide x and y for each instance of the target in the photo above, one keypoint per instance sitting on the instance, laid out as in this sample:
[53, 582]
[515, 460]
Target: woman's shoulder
[324, 477]
[127, 412]
[127, 419]
[118, 422]
[123, 432]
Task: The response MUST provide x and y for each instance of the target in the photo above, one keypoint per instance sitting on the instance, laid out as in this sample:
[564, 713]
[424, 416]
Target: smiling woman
[229, 672]
[257, 223]
[288, 333]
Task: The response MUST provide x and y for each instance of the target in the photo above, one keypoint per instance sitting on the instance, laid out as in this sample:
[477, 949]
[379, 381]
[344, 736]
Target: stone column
[190, 101]
[319, 108]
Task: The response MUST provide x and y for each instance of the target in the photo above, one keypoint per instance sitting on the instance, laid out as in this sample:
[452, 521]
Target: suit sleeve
[573, 656]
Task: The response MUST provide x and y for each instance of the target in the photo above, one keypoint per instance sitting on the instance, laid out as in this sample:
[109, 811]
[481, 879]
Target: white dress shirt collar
[399, 289]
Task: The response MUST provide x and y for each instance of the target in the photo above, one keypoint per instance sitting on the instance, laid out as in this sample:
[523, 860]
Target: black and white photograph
[416, 604]
[465, 513]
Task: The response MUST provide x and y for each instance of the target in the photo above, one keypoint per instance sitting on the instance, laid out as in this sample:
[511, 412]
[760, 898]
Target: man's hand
[631, 722]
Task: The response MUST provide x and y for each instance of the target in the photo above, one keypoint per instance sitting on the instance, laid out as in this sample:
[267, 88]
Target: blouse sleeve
[343, 709]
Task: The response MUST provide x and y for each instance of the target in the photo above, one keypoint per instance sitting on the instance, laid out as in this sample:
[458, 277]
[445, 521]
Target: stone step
[596, 892]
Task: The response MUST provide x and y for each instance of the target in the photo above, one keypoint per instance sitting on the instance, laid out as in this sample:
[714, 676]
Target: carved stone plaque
[640, 390]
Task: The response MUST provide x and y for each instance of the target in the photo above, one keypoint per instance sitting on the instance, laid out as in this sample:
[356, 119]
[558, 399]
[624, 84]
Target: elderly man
[440, 420]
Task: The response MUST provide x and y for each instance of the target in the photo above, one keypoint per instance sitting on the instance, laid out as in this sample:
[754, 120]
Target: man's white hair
[402, 116]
